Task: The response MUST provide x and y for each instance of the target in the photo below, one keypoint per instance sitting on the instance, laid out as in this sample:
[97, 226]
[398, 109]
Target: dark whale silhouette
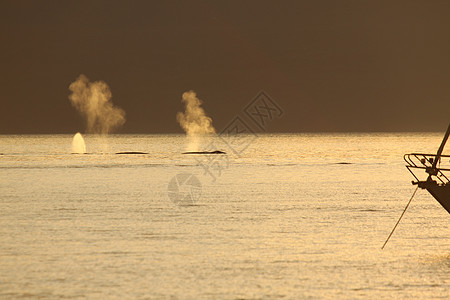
[131, 152]
[205, 152]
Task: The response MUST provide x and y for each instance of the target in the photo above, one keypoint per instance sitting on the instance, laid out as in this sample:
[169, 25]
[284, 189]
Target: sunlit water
[293, 216]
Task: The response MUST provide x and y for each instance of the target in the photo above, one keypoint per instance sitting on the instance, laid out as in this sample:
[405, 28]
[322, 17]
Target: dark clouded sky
[331, 65]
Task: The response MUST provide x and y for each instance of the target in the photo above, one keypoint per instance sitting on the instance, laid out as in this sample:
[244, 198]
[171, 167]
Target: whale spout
[78, 144]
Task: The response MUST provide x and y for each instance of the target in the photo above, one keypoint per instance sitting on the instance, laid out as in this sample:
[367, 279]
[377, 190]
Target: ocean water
[299, 216]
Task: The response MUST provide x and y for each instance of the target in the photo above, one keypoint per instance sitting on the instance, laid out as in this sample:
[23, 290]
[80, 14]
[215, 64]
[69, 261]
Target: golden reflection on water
[295, 216]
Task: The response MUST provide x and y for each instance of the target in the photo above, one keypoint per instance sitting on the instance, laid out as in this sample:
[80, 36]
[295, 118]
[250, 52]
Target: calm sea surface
[290, 216]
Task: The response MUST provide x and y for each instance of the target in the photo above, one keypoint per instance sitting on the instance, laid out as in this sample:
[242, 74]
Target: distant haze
[330, 65]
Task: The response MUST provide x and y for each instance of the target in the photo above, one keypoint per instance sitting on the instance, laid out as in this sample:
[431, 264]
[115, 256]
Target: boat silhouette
[437, 167]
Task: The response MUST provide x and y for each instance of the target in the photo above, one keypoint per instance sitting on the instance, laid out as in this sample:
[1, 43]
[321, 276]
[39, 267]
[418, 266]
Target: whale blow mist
[93, 101]
[78, 145]
[194, 120]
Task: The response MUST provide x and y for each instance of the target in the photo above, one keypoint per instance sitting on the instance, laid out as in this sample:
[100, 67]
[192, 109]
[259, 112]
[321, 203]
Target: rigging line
[400, 216]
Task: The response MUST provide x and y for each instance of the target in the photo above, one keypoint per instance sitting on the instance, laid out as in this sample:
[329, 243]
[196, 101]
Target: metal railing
[425, 162]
